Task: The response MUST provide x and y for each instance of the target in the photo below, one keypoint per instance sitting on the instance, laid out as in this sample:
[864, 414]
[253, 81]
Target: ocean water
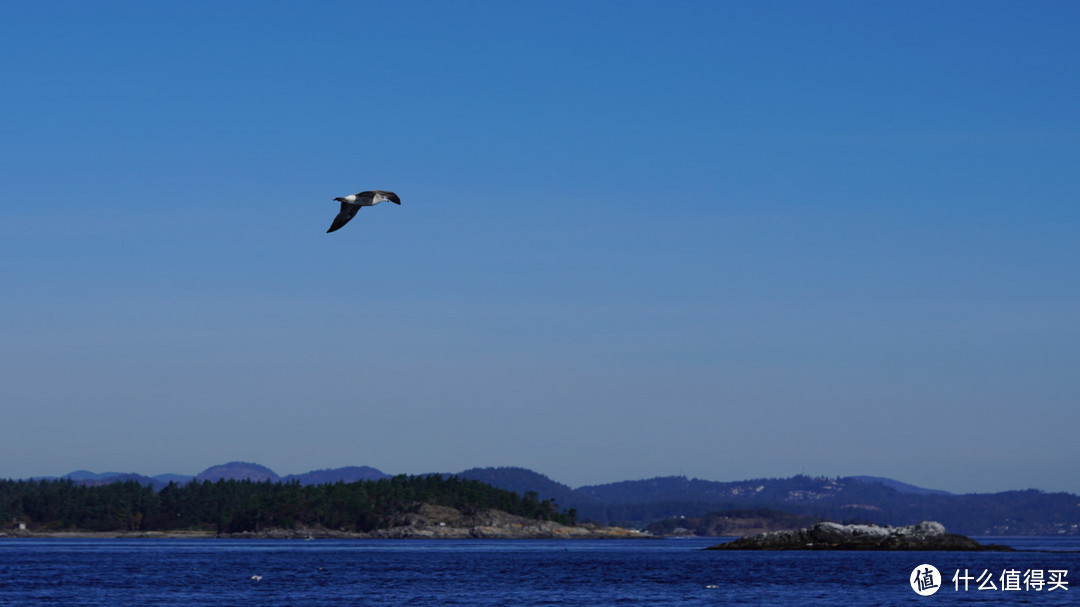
[502, 572]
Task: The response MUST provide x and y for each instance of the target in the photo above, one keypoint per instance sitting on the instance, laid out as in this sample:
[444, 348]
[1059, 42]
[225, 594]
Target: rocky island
[927, 535]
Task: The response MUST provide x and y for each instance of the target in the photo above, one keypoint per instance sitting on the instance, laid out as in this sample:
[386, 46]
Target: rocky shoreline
[927, 535]
[429, 522]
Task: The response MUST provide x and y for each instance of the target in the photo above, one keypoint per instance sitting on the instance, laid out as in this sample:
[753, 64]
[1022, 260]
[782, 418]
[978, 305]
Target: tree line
[232, 506]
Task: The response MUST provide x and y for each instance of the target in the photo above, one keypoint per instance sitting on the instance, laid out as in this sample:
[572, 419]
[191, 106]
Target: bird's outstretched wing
[348, 211]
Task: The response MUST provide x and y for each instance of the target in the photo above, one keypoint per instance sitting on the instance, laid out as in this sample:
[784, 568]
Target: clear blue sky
[722, 239]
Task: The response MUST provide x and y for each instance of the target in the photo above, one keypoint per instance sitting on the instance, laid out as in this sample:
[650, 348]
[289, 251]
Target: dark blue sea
[509, 572]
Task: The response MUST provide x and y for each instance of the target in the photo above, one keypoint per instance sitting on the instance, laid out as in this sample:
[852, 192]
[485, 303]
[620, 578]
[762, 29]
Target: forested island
[429, 505]
[666, 506]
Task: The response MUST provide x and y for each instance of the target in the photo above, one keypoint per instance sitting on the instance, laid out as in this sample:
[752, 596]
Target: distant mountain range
[85, 477]
[232, 471]
[641, 502]
[900, 487]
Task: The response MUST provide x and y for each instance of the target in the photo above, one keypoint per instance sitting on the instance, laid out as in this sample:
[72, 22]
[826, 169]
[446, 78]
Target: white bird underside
[354, 202]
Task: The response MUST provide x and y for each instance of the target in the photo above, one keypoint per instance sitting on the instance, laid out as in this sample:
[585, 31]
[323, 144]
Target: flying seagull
[353, 202]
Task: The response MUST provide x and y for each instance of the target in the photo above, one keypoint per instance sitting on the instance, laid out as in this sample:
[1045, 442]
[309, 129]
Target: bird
[354, 202]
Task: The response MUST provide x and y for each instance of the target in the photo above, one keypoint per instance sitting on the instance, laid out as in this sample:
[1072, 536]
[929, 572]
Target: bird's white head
[381, 195]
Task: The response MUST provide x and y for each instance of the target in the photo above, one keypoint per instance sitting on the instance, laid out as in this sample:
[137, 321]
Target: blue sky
[721, 239]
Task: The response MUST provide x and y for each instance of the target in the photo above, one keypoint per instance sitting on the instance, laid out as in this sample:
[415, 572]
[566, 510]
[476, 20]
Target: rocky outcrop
[927, 535]
[440, 522]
